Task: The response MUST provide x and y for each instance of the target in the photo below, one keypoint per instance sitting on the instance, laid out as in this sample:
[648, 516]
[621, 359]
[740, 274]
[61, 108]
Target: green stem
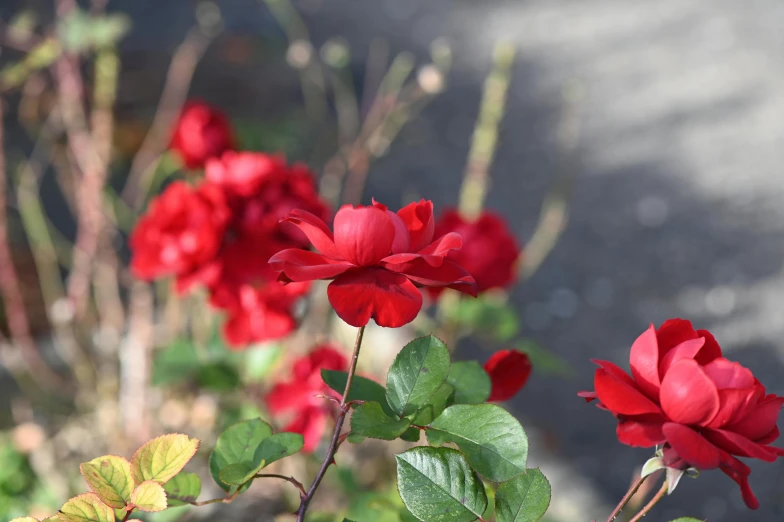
[333, 445]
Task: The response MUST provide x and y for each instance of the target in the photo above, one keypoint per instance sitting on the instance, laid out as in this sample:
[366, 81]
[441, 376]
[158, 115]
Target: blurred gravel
[678, 208]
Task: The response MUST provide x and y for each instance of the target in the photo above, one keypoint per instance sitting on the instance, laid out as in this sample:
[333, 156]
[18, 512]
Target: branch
[333, 445]
[16, 314]
[175, 92]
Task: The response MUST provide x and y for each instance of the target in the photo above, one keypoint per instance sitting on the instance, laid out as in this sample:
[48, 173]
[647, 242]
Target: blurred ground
[678, 208]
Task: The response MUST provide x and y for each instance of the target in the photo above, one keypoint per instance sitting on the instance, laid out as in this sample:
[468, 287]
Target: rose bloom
[202, 132]
[298, 396]
[683, 394]
[262, 190]
[509, 371]
[490, 252]
[181, 231]
[377, 259]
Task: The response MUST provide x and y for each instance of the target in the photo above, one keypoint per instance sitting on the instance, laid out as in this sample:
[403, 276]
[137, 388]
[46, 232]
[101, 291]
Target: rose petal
[728, 374]
[732, 404]
[442, 246]
[363, 235]
[687, 395]
[674, 332]
[759, 421]
[310, 423]
[288, 396]
[615, 371]
[685, 350]
[644, 361]
[316, 230]
[739, 445]
[588, 395]
[303, 265]
[641, 431]
[389, 298]
[509, 371]
[739, 472]
[419, 220]
[691, 446]
[710, 351]
[770, 436]
[401, 241]
[449, 274]
[620, 397]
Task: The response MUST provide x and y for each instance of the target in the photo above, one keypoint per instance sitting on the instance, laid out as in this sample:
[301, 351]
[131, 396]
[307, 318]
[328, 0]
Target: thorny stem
[649, 505]
[333, 445]
[626, 498]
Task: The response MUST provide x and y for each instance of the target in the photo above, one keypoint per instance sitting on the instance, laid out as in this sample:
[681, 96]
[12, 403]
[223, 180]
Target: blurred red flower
[262, 190]
[181, 232]
[298, 395]
[377, 259]
[221, 235]
[202, 132]
[683, 394]
[509, 371]
[490, 252]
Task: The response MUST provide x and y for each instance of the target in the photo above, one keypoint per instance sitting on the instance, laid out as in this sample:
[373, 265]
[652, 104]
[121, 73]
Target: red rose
[298, 396]
[201, 133]
[257, 313]
[375, 265]
[490, 252]
[181, 231]
[704, 409]
[509, 371]
[262, 190]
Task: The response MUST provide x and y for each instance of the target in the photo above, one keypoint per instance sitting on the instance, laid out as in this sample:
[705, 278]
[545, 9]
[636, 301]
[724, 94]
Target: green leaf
[278, 446]
[525, 498]
[218, 377]
[362, 389]
[488, 315]
[183, 489]
[412, 435]
[687, 519]
[86, 508]
[470, 381]
[437, 485]
[149, 496]
[238, 444]
[110, 478]
[545, 361]
[417, 373]
[109, 29]
[353, 438]
[369, 420]
[175, 363]
[435, 405]
[162, 458]
[271, 449]
[493, 441]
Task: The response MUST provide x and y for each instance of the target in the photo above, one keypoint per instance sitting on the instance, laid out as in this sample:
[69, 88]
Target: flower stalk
[334, 443]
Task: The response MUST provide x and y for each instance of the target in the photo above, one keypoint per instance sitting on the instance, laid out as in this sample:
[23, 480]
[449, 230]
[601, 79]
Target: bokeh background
[661, 124]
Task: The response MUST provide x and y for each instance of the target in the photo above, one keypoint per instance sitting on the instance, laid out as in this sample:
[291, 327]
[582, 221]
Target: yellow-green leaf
[25, 519]
[149, 496]
[162, 458]
[110, 478]
[86, 508]
[183, 489]
[53, 518]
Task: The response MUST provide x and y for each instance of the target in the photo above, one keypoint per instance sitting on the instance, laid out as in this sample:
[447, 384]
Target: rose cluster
[220, 231]
[685, 396]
